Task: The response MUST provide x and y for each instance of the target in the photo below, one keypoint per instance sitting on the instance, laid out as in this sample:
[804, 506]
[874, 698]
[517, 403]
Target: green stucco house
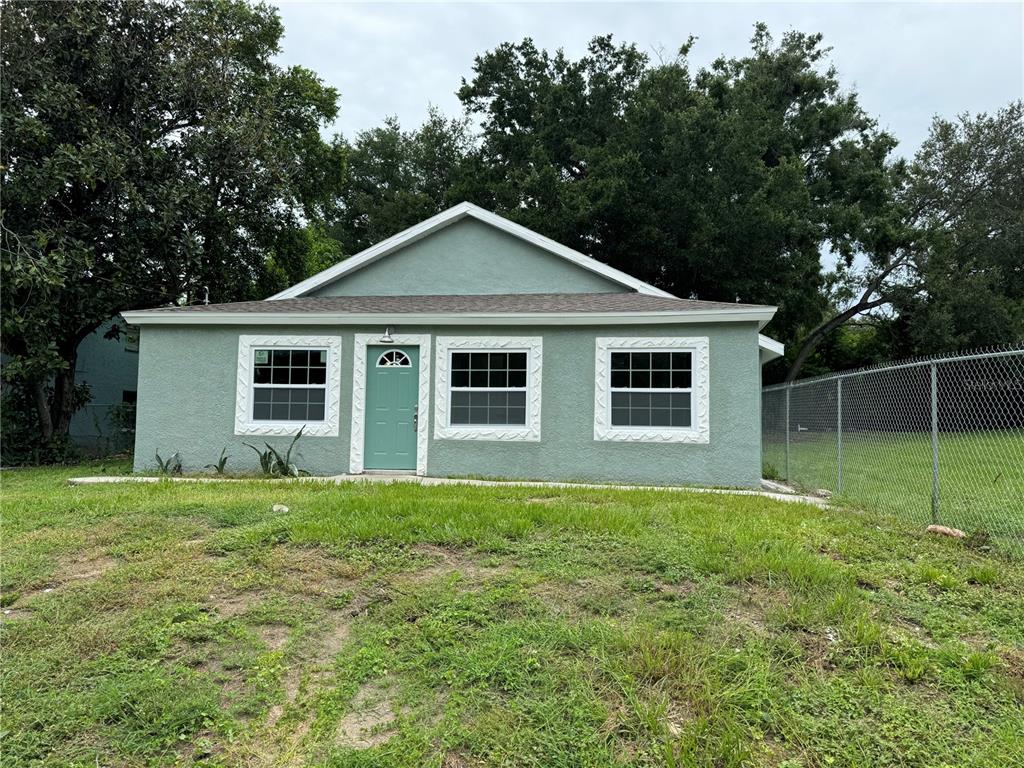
[466, 345]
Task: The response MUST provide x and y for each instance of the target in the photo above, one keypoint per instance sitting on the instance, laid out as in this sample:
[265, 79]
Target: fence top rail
[1008, 351]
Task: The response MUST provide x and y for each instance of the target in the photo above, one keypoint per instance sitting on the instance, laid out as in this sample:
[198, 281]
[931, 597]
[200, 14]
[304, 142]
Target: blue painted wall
[110, 370]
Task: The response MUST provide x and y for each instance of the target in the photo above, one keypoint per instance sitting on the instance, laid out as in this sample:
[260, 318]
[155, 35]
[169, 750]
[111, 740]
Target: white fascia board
[148, 317]
[770, 349]
[452, 215]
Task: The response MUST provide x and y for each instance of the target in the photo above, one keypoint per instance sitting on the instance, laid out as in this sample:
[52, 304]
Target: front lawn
[373, 625]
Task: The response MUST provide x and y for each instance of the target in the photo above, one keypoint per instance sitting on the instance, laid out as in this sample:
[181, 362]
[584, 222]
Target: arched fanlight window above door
[393, 358]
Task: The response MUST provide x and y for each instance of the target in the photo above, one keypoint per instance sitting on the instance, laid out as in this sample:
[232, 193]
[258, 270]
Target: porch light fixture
[386, 338]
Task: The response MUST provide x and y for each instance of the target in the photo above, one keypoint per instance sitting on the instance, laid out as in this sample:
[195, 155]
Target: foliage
[274, 464]
[169, 466]
[498, 626]
[221, 462]
[395, 179]
[950, 276]
[151, 151]
[722, 184]
[19, 428]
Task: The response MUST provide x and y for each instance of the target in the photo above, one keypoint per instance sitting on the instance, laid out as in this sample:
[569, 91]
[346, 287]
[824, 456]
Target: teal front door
[392, 395]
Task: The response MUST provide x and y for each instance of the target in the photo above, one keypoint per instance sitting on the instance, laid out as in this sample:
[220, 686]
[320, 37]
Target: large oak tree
[152, 152]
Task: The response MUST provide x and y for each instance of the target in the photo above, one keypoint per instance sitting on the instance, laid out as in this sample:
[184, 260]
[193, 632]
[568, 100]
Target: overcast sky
[908, 61]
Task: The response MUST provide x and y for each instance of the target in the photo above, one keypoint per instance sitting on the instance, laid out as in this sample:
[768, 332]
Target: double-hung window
[651, 389]
[288, 382]
[488, 388]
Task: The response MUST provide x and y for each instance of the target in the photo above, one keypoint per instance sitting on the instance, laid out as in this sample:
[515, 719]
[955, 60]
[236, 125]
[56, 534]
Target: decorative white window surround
[700, 429]
[358, 433]
[532, 345]
[244, 423]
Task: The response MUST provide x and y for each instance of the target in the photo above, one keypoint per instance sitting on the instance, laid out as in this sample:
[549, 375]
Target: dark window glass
[651, 409]
[129, 396]
[651, 370]
[488, 388]
[282, 378]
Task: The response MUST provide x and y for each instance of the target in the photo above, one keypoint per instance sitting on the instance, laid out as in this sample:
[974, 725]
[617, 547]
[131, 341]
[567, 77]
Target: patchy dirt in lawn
[236, 604]
[447, 561]
[372, 709]
[274, 636]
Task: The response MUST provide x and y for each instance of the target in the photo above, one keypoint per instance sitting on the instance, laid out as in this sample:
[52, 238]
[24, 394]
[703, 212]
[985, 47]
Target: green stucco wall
[468, 257]
[187, 404]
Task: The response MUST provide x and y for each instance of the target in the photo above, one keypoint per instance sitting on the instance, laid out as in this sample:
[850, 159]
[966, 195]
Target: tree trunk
[823, 330]
[38, 389]
[62, 406]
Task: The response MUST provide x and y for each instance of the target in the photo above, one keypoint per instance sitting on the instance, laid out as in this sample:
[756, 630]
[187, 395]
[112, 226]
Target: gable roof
[446, 218]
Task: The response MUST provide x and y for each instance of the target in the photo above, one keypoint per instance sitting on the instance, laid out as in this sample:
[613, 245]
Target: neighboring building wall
[187, 404]
[468, 257]
[111, 369]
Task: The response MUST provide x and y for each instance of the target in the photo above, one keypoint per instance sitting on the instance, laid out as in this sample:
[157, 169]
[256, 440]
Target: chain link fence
[932, 441]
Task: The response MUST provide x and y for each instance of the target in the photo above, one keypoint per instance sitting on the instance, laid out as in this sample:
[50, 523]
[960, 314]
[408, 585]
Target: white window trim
[532, 345]
[700, 429]
[246, 425]
[359, 365]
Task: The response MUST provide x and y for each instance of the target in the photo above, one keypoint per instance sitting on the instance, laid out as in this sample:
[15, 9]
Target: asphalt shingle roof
[502, 303]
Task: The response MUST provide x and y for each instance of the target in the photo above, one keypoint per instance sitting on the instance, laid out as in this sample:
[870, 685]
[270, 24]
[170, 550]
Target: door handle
[415, 418]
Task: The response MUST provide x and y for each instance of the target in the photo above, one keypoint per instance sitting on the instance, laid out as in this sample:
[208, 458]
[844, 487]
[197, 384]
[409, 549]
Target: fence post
[789, 388]
[839, 433]
[935, 443]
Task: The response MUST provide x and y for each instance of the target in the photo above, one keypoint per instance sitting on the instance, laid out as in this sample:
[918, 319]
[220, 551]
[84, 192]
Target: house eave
[162, 317]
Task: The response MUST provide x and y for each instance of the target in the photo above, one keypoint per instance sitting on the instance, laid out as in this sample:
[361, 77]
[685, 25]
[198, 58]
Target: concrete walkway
[777, 494]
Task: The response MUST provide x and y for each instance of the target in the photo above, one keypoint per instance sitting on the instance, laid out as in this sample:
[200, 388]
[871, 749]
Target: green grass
[397, 625]
[981, 477]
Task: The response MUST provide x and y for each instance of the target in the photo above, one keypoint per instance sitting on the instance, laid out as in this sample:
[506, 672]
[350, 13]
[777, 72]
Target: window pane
[300, 376]
[517, 416]
[660, 417]
[499, 378]
[461, 399]
[315, 395]
[261, 375]
[517, 361]
[280, 357]
[279, 411]
[478, 378]
[318, 359]
[620, 361]
[316, 412]
[460, 415]
[460, 378]
[661, 379]
[681, 360]
[517, 379]
[478, 361]
[317, 375]
[460, 361]
[279, 376]
[680, 379]
[680, 417]
[620, 417]
[661, 360]
[499, 361]
[261, 412]
[300, 358]
[620, 379]
[478, 415]
[517, 399]
[640, 379]
[641, 360]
